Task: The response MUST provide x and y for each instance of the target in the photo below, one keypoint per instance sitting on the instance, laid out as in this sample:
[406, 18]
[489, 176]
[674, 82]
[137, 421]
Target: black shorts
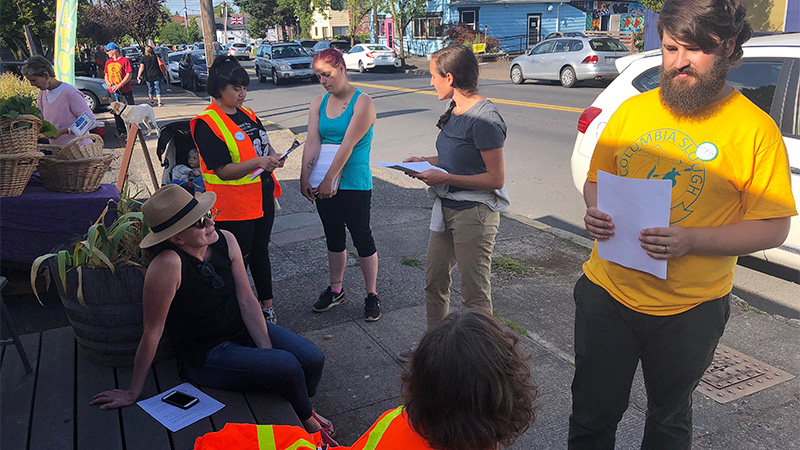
[350, 209]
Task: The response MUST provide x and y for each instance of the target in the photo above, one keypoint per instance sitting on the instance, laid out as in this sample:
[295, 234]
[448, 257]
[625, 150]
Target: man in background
[118, 73]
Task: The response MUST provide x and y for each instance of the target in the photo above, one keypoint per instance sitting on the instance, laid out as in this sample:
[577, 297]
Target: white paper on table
[175, 418]
[326, 154]
[633, 204]
[417, 167]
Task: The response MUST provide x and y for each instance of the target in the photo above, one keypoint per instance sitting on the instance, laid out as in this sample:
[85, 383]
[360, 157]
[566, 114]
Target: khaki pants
[468, 240]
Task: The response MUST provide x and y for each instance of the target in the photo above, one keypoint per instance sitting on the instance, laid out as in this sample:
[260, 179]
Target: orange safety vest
[390, 432]
[236, 199]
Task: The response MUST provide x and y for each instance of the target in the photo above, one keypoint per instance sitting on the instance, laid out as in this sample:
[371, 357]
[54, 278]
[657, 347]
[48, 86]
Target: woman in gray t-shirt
[469, 196]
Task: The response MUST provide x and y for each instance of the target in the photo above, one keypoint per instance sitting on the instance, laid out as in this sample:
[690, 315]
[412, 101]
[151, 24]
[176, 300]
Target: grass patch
[577, 246]
[510, 323]
[412, 262]
[511, 266]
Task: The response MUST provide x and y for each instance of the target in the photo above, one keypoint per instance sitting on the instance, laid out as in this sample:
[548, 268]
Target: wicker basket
[16, 171]
[73, 149]
[74, 175]
[53, 149]
[19, 135]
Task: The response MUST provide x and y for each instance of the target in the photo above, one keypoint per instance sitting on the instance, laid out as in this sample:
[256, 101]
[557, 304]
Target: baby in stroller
[189, 175]
[179, 157]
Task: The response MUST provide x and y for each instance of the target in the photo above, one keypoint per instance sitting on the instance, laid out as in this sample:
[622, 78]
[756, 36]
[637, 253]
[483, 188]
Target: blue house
[517, 24]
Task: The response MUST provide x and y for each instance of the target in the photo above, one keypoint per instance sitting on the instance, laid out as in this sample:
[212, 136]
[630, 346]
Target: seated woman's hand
[116, 398]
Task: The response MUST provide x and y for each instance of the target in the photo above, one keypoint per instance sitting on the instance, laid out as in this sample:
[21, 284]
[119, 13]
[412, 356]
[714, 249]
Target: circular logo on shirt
[239, 136]
[707, 151]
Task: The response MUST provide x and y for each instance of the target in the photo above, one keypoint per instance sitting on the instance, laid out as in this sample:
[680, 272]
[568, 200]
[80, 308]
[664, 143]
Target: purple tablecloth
[41, 220]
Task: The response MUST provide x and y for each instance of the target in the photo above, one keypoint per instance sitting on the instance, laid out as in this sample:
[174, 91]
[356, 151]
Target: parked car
[768, 76]
[283, 61]
[172, 67]
[344, 46]
[133, 54]
[371, 56]
[95, 91]
[240, 51]
[569, 60]
[219, 49]
[307, 44]
[192, 70]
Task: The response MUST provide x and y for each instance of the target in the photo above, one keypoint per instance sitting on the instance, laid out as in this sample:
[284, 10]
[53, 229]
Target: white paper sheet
[633, 204]
[175, 418]
[326, 154]
[418, 167]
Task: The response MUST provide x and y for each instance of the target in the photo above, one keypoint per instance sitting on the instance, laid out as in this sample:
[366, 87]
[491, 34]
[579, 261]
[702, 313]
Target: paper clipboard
[326, 154]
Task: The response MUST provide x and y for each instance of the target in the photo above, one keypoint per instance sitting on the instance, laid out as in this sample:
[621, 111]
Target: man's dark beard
[685, 100]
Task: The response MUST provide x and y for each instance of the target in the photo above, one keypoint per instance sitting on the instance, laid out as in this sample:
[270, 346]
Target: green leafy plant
[18, 105]
[104, 246]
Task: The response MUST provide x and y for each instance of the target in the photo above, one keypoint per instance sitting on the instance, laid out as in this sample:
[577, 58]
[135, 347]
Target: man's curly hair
[469, 386]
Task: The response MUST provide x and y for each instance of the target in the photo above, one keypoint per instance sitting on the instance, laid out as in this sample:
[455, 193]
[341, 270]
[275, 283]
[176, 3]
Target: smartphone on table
[180, 399]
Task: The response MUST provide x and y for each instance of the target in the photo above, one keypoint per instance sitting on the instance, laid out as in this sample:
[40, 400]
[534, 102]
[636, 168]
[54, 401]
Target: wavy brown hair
[469, 387]
[706, 23]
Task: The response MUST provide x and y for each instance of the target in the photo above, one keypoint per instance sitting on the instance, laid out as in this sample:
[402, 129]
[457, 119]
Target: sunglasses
[207, 270]
[203, 222]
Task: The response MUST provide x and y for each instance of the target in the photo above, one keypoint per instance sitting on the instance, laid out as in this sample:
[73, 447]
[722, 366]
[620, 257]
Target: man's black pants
[611, 339]
[126, 98]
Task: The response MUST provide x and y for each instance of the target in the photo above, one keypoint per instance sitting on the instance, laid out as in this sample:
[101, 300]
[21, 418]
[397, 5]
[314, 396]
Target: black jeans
[126, 98]
[253, 237]
[351, 209]
[611, 339]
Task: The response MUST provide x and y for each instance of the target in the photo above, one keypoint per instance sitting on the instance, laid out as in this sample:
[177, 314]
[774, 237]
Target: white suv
[769, 75]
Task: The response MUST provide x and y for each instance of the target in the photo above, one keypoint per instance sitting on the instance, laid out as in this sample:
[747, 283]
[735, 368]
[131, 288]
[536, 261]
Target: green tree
[144, 18]
[39, 15]
[403, 12]
[356, 10]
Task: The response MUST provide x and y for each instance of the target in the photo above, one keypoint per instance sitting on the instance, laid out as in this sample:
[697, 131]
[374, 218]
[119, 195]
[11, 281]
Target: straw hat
[171, 210]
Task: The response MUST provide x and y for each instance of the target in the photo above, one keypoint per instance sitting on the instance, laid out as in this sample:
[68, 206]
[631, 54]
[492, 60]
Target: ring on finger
[664, 249]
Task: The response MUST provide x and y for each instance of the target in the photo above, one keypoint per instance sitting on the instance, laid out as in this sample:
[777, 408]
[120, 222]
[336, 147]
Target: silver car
[569, 60]
[283, 61]
[173, 59]
[239, 51]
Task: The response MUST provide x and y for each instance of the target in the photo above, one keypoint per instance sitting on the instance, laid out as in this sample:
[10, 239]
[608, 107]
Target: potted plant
[100, 284]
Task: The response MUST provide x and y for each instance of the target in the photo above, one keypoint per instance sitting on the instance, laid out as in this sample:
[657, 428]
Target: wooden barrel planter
[109, 327]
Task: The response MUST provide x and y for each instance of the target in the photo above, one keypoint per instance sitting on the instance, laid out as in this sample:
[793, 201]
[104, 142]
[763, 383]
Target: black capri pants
[350, 209]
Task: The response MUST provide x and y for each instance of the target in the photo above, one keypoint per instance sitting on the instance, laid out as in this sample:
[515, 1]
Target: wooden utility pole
[225, 23]
[209, 29]
[185, 14]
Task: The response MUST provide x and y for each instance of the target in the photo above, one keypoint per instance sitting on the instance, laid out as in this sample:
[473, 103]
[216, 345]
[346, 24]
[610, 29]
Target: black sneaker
[372, 308]
[328, 299]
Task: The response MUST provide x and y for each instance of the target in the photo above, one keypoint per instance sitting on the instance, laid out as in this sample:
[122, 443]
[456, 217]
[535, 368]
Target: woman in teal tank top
[344, 116]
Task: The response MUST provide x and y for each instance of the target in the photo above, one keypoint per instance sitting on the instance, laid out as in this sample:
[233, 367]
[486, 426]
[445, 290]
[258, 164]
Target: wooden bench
[49, 408]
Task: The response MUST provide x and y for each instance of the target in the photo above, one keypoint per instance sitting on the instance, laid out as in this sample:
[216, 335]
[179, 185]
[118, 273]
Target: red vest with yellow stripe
[390, 432]
[238, 199]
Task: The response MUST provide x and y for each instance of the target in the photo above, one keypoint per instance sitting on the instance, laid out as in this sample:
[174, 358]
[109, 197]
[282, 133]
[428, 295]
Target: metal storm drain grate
[733, 375]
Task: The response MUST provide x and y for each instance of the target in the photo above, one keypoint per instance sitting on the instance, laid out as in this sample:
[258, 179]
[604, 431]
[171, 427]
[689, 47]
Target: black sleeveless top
[202, 316]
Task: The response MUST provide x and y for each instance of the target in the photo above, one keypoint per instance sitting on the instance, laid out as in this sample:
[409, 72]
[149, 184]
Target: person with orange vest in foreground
[233, 146]
[489, 406]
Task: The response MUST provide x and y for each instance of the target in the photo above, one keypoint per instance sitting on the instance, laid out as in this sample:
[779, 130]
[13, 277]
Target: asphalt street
[541, 120]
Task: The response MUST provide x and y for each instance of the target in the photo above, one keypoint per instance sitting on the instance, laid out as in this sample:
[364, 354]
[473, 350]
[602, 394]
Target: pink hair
[330, 56]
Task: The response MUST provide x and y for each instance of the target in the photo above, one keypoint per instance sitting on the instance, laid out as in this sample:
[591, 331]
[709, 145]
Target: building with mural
[517, 24]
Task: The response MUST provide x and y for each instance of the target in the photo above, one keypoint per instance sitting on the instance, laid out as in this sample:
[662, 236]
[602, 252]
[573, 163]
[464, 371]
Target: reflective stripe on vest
[266, 440]
[233, 148]
[380, 428]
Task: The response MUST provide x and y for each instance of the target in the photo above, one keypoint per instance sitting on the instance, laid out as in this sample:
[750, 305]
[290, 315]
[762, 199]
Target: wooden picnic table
[49, 408]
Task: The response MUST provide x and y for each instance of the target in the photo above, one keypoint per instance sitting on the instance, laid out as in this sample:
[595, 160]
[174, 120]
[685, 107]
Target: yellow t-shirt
[728, 167]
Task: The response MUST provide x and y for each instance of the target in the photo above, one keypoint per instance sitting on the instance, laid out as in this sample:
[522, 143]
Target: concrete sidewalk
[362, 375]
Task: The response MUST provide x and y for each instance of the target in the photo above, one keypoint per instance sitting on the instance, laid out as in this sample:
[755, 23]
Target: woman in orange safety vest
[237, 163]
[469, 387]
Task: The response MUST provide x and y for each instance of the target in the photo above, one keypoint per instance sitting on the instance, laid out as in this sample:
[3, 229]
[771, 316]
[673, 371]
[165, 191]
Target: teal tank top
[356, 174]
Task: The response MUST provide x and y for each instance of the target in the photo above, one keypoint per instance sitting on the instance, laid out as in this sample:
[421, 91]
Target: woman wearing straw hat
[196, 287]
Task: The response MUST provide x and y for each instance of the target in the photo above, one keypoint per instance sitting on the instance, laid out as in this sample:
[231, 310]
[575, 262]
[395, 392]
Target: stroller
[173, 148]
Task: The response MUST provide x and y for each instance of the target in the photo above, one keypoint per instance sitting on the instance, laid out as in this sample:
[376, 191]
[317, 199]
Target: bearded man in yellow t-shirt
[731, 196]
